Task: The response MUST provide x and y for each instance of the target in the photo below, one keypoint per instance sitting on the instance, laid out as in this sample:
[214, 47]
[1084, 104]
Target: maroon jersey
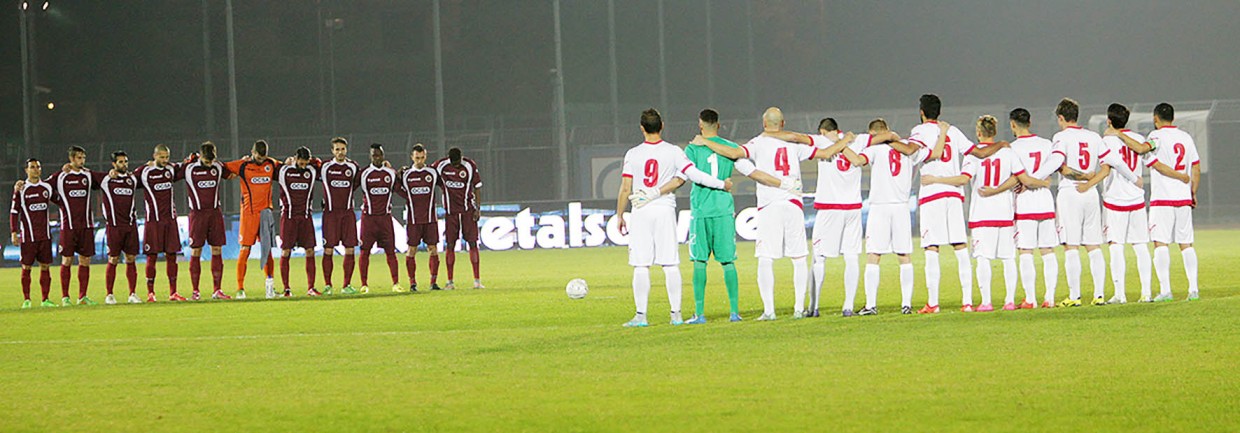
[377, 184]
[202, 182]
[418, 187]
[296, 190]
[339, 179]
[71, 192]
[459, 184]
[118, 196]
[156, 183]
[29, 212]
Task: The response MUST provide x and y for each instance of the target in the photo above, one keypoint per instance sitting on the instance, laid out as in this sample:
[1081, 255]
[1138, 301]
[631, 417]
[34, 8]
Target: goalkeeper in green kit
[713, 227]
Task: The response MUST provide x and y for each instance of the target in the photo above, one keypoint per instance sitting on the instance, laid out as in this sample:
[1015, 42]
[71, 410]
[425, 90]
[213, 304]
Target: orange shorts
[249, 228]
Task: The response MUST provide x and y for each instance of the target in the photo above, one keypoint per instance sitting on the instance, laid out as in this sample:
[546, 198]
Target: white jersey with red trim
[780, 159]
[1176, 149]
[891, 173]
[652, 165]
[839, 182]
[1035, 154]
[1081, 150]
[957, 144]
[1119, 193]
[997, 210]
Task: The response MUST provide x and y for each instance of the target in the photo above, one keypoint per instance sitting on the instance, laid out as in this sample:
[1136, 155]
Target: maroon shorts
[297, 232]
[206, 227]
[77, 241]
[161, 237]
[122, 240]
[37, 251]
[460, 226]
[377, 229]
[419, 233]
[339, 228]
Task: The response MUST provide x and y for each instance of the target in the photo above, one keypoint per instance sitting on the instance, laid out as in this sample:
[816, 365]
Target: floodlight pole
[232, 79]
[440, 134]
[710, 60]
[27, 127]
[615, 93]
[561, 118]
[662, 63]
[207, 88]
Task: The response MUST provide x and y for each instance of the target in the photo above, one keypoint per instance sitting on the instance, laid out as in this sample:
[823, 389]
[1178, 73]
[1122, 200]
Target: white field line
[285, 335]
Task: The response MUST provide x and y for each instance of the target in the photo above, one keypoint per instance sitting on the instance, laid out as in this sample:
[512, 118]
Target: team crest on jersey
[306, 175]
[462, 175]
[267, 168]
[46, 194]
[387, 179]
[428, 178]
[348, 173]
[214, 173]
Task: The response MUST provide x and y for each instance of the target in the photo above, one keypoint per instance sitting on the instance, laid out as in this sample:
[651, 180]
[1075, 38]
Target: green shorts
[713, 235]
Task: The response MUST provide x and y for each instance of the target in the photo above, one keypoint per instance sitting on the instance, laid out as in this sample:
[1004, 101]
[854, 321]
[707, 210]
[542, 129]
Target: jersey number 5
[1083, 156]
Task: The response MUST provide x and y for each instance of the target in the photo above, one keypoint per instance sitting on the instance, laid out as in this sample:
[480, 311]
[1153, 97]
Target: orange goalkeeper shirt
[256, 180]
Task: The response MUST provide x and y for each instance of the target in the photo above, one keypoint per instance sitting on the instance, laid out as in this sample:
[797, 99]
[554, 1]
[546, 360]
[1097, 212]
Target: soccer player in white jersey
[1035, 208]
[781, 215]
[992, 214]
[837, 225]
[1172, 154]
[652, 234]
[1080, 220]
[1123, 203]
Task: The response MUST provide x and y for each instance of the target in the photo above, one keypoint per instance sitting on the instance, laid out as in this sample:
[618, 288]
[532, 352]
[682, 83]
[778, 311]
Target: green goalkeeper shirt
[709, 202]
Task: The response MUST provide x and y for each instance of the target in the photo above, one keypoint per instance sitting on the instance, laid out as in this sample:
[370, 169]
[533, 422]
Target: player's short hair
[828, 124]
[418, 148]
[30, 160]
[376, 146]
[1021, 117]
[260, 147]
[454, 155]
[987, 126]
[1069, 109]
[207, 151]
[711, 117]
[340, 140]
[1117, 113]
[1164, 111]
[161, 147]
[302, 152]
[931, 106]
[652, 122]
[76, 150]
[118, 154]
[878, 125]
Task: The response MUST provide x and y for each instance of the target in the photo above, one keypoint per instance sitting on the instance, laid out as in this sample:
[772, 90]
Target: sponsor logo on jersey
[419, 190]
[341, 184]
[162, 186]
[78, 193]
[71, 182]
[454, 184]
[36, 207]
[206, 184]
[379, 191]
[261, 179]
[299, 186]
[122, 191]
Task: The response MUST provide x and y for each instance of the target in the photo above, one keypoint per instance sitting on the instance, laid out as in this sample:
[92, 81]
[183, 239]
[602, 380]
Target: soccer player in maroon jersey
[203, 177]
[118, 211]
[460, 181]
[160, 231]
[71, 191]
[296, 182]
[377, 182]
[340, 178]
[418, 184]
[30, 231]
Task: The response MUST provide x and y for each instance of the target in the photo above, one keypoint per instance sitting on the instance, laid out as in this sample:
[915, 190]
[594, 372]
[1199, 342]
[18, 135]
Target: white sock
[820, 272]
[1119, 268]
[1050, 274]
[1190, 267]
[932, 277]
[964, 270]
[1009, 279]
[906, 284]
[871, 285]
[852, 273]
[1143, 267]
[1072, 267]
[641, 288]
[671, 278]
[1098, 270]
[983, 279]
[1162, 268]
[766, 284]
[799, 279]
[1028, 277]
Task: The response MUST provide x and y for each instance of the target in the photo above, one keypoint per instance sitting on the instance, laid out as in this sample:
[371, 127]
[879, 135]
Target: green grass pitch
[521, 356]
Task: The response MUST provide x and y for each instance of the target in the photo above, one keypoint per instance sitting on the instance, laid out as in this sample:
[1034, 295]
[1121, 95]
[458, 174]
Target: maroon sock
[83, 279]
[195, 271]
[364, 267]
[327, 270]
[434, 268]
[217, 270]
[451, 262]
[473, 260]
[411, 264]
[310, 271]
[151, 259]
[393, 267]
[131, 273]
[284, 271]
[109, 277]
[348, 268]
[26, 283]
[170, 263]
[45, 282]
[64, 280]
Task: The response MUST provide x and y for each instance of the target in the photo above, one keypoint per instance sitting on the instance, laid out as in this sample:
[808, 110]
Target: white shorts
[781, 231]
[1034, 234]
[1171, 225]
[942, 222]
[1080, 220]
[889, 230]
[836, 232]
[1126, 227]
[652, 237]
[994, 242]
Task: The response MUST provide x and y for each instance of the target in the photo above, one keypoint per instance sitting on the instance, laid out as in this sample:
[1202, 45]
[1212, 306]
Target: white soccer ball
[576, 289]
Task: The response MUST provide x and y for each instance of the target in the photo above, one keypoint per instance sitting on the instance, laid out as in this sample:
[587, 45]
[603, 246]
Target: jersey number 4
[781, 161]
